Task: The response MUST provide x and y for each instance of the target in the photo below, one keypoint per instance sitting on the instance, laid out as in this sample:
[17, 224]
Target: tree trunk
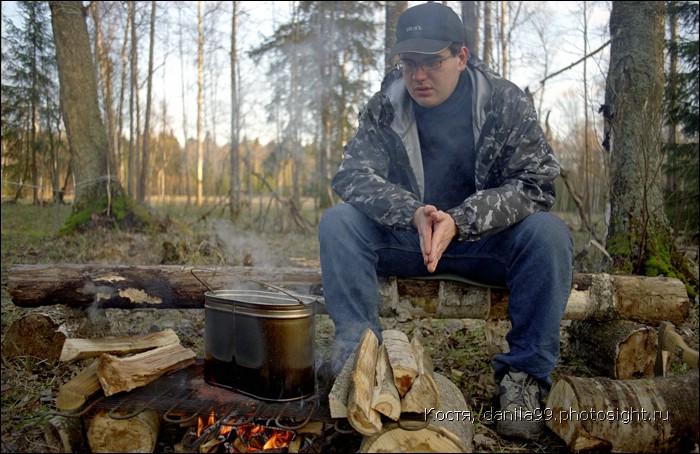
[644, 415]
[488, 33]
[81, 112]
[145, 177]
[235, 154]
[200, 106]
[594, 296]
[392, 11]
[639, 238]
[470, 19]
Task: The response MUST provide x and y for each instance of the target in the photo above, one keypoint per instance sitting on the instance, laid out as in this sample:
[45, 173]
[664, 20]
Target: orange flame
[279, 439]
[201, 425]
[254, 437]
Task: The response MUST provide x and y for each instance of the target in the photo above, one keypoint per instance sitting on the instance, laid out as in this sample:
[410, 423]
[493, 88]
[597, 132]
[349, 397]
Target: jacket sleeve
[367, 176]
[517, 178]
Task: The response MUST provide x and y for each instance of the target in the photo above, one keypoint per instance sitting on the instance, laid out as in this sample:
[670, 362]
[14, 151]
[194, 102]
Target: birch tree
[144, 176]
[235, 191]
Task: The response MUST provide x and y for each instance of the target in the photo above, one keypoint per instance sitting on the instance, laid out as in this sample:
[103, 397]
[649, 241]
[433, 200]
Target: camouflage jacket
[382, 172]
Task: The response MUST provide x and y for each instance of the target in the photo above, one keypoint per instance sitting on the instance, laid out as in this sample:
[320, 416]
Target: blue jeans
[533, 258]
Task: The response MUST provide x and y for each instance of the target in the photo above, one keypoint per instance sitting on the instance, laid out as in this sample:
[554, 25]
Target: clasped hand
[436, 229]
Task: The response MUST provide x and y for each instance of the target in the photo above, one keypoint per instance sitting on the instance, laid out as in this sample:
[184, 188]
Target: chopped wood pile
[117, 364]
[120, 364]
[390, 394]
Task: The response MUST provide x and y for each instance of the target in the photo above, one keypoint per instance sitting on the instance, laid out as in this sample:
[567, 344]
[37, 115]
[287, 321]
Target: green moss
[122, 213]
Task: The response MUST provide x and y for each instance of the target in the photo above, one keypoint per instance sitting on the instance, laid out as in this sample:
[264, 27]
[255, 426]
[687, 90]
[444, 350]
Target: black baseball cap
[428, 28]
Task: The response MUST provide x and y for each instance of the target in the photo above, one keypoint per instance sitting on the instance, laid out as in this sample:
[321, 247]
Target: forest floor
[206, 238]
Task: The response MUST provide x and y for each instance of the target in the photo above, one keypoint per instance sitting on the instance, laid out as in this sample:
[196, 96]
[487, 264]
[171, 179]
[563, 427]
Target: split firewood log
[338, 396]
[424, 392]
[641, 415]
[361, 416]
[77, 349]
[447, 429]
[385, 398]
[401, 358]
[76, 391]
[124, 374]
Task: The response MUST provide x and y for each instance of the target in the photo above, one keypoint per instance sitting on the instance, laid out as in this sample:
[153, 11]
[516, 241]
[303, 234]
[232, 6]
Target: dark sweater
[447, 147]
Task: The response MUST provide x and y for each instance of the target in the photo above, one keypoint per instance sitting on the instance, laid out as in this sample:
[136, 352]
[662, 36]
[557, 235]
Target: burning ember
[227, 436]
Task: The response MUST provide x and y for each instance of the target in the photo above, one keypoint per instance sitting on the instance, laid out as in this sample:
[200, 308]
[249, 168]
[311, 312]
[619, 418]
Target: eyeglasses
[409, 66]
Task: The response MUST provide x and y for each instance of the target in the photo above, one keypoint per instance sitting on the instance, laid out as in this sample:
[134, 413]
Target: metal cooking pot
[260, 343]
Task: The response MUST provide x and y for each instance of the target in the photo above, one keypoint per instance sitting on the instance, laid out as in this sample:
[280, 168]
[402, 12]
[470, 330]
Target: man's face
[431, 87]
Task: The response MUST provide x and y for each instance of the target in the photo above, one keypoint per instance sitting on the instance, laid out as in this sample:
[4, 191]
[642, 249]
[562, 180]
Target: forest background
[223, 102]
[227, 120]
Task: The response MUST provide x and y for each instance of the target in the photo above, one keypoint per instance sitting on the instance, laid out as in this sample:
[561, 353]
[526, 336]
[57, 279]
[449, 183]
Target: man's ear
[463, 57]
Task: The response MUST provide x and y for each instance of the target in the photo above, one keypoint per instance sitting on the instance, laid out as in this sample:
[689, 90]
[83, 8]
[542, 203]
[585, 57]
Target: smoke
[241, 247]
[96, 323]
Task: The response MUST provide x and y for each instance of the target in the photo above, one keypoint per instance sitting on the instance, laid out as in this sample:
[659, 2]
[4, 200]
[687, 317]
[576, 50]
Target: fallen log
[77, 349]
[648, 300]
[642, 415]
[450, 428]
[124, 374]
[619, 349]
[136, 434]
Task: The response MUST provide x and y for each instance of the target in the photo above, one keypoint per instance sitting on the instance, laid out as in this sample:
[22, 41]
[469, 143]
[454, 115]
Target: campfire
[228, 435]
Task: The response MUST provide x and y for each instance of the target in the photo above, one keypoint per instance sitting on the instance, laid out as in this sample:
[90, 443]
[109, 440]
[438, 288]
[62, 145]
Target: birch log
[643, 415]
[401, 359]
[618, 349]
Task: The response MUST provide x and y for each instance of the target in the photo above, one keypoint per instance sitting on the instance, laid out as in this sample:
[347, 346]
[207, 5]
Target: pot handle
[281, 290]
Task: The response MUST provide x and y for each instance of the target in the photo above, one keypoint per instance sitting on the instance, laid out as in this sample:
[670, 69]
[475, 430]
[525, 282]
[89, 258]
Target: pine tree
[30, 111]
[681, 101]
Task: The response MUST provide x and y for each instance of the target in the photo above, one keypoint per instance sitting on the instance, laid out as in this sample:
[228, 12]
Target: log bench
[598, 297]
[625, 307]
